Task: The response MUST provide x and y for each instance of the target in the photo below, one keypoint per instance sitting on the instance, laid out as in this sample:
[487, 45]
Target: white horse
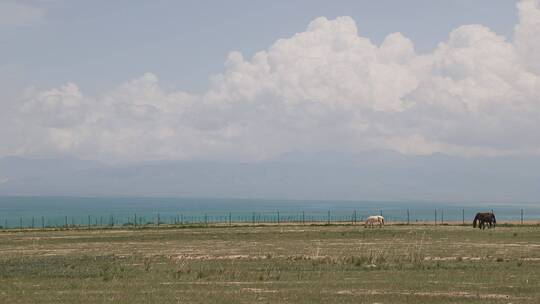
[375, 219]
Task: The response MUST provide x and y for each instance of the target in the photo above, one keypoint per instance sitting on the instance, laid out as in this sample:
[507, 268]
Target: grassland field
[272, 264]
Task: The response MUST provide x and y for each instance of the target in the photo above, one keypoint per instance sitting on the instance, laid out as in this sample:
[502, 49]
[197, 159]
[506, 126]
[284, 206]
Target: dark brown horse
[483, 218]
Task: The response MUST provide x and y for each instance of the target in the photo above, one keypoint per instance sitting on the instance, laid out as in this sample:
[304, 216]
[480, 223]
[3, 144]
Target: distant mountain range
[372, 176]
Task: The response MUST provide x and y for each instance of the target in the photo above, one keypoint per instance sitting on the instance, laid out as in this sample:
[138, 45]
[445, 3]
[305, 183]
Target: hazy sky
[252, 80]
[98, 44]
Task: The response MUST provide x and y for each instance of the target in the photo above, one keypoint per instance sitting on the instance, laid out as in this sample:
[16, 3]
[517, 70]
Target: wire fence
[448, 216]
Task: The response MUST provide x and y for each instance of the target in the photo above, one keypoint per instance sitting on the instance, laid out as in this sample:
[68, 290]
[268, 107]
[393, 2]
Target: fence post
[408, 217]
[435, 216]
[442, 216]
[42, 222]
[20, 222]
[135, 220]
[66, 221]
[278, 217]
[328, 220]
[158, 220]
[303, 218]
[463, 215]
[230, 219]
[89, 222]
[521, 216]
[205, 220]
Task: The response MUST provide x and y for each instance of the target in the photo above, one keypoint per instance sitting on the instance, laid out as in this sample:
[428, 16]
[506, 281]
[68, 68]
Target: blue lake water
[57, 211]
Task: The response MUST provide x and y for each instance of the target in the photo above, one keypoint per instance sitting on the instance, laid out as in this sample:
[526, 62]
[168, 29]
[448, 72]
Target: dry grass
[270, 264]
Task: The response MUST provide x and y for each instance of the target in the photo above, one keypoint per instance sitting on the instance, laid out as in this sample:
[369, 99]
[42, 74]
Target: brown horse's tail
[493, 219]
[476, 219]
[382, 219]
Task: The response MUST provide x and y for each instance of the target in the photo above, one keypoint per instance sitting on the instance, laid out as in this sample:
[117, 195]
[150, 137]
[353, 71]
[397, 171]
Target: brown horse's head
[476, 219]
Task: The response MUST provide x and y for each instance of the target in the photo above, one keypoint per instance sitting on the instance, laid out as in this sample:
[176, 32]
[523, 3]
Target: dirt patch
[453, 258]
[259, 290]
[451, 294]
[218, 257]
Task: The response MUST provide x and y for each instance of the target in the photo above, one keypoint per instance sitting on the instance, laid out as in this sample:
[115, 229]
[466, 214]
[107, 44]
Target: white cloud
[527, 33]
[15, 13]
[327, 88]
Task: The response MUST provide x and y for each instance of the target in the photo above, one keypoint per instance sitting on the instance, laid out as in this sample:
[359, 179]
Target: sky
[250, 81]
[99, 44]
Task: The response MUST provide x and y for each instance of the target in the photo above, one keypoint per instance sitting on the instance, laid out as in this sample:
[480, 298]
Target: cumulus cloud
[327, 88]
[527, 33]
